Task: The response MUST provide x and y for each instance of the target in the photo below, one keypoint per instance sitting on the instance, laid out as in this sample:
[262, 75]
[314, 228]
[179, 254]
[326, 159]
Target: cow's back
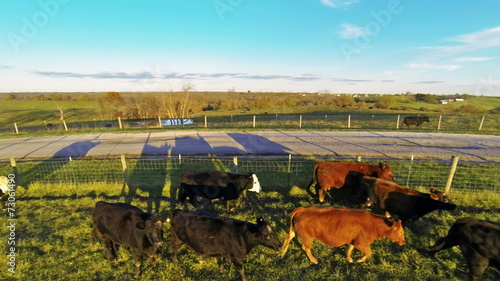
[483, 235]
[116, 220]
[207, 234]
[334, 226]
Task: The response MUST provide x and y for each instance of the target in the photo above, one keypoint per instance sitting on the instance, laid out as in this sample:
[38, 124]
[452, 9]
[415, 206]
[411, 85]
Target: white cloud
[469, 42]
[473, 59]
[433, 66]
[350, 31]
[338, 3]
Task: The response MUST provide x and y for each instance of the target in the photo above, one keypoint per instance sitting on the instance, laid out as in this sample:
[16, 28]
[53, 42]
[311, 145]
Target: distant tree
[114, 97]
[10, 97]
[386, 102]
[345, 100]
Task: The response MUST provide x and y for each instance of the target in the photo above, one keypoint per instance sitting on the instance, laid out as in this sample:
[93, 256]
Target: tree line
[186, 102]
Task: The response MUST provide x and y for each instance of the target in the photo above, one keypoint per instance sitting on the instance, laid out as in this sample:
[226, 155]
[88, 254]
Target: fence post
[235, 163]
[481, 124]
[65, 126]
[289, 170]
[439, 122]
[254, 121]
[358, 158]
[15, 171]
[349, 121]
[397, 122]
[326, 116]
[15, 128]
[300, 121]
[159, 120]
[409, 172]
[120, 122]
[124, 169]
[206, 121]
[453, 168]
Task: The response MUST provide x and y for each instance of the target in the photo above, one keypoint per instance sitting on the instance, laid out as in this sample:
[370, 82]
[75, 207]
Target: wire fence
[273, 172]
[463, 122]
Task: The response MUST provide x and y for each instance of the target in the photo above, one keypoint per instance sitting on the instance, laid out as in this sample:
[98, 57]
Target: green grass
[54, 240]
[33, 113]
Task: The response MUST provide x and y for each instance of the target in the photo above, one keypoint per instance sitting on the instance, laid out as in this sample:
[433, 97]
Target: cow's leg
[291, 235]
[349, 252]
[366, 250]
[175, 243]
[306, 246]
[108, 245]
[476, 263]
[136, 255]
[241, 269]
[321, 194]
[194, 200]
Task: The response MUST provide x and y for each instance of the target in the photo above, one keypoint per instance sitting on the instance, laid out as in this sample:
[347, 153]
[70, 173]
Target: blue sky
[336, 46]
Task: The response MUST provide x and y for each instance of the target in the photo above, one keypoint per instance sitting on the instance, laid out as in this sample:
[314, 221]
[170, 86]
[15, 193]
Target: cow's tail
[291, 233]
[314, 181]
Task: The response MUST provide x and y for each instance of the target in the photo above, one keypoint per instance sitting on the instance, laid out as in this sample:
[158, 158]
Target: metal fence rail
[273, 172]
[464, 122]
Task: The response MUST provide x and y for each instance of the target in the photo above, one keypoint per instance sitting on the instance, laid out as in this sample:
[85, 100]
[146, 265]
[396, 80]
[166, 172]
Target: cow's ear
[434, 196]
[141, 225]
[387, 215]
[380, 165]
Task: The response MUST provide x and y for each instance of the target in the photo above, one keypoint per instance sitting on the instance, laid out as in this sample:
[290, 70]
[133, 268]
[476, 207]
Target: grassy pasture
[54, 240]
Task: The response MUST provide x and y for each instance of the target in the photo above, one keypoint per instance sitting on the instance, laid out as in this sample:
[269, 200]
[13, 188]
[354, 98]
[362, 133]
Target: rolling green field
[54, 234]
[35, 114]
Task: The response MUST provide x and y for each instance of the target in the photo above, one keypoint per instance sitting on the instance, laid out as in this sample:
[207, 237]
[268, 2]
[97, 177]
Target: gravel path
[334, 143]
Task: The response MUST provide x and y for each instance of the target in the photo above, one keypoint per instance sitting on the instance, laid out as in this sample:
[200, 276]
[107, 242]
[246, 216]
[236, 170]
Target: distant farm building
[446, 101]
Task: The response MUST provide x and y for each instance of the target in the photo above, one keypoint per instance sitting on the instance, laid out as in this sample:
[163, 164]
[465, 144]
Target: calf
[222, 237]
[123, 224]
[336, 227]
[328, 175]
[479, 241]
[216, 184]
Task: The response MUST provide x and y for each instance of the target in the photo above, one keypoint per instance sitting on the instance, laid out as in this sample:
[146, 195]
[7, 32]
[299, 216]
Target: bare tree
[62, 112]
[178, 107]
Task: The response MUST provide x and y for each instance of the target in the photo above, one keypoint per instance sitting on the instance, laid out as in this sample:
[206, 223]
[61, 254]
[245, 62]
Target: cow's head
[255, 183]
[152, 226]
[385, 172]
[438, 195]
[396, 232]
[265, 235]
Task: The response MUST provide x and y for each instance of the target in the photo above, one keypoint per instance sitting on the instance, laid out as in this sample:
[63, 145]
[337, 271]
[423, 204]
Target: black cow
[415, 120]
[122, 224]
[479, 241]
[216, 184]
[215, 236]
[407, 203]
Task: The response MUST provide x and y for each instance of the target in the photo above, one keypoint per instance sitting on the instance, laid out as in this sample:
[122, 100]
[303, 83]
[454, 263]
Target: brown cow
[328, 175]
[335, 227]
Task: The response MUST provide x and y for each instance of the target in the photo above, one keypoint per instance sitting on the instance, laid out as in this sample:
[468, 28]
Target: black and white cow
[216, 184]
[211, 235]
[4, 190]
[479, 241]
[123, 224]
